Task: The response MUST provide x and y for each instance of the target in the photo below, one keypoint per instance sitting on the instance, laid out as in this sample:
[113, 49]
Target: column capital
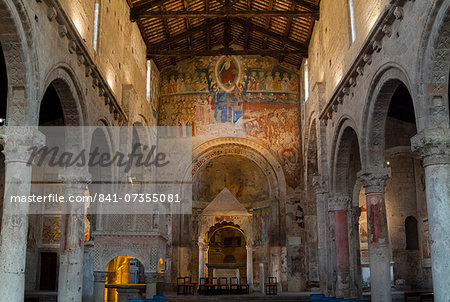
[17, 142]
[320, 183]
[338, 203]
[433, 145]
[74, 175]
[100, 276]
[150, 277]
[374, 180]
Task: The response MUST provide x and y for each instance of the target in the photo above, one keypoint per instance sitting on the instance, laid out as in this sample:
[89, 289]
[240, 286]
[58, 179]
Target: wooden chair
[188, 286]
[243, 286]
[271, 286]
[202, 286]
[181, 286]
[234, 286]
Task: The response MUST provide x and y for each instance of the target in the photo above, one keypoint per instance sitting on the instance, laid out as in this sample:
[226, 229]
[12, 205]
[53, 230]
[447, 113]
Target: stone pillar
[374, 183]
[434, 146]
[16, 141]
[99, 286]
[70, 281]
[150, 280]
[320, 184]
[339, 206]
[250, 266]
[202, 247]
[355, 253]
[261, 277]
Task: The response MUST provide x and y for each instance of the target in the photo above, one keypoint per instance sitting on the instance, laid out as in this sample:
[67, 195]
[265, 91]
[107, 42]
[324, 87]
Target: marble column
[434, 146]
[202, 247]
[338, 206]
[70, 280]
[320, 184]
[151, 279]
[374, 182]
[250, 266]
[99, 286]
[16, 141]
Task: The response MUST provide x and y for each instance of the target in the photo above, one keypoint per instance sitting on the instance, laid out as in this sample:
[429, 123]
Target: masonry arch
[383, 87]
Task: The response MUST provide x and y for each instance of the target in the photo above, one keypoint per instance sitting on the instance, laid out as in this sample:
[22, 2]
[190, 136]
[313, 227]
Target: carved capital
[339, 203]
[320, 183]
[17, 141]
[374, 180]
[100, 276]
[150, 277]
[433, 145]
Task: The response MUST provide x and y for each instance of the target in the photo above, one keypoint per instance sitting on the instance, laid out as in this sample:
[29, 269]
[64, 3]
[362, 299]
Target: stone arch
[70, 94]
[433, 66]
[383, 86]
[21, 62]
[345, 138]
[148, 256]
[244, 147]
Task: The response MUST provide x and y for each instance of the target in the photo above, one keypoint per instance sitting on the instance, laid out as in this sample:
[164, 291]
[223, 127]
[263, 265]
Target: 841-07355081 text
[136, 198]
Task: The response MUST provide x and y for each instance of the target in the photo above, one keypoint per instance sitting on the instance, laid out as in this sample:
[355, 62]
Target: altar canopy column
[374, 182]
[70, 279]
[16, 142]
[321, 186]
[99, 285]
[250, 266]
[339, 205]
[202, 247]
[434, 146]
[151, 279]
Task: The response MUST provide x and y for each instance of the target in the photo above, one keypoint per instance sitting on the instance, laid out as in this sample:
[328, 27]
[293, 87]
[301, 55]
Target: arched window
[306, 80]
[149, 73]
[96, 24]
[412, 239]
[352, 20]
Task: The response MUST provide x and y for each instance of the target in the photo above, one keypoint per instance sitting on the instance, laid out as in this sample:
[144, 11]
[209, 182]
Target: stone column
[250, 266]
[150, 279]
[16, 141]
[339, 206]
[70, 281]
[355, 253]
[320, 184]
[202, 247]
[434, 146]
[99, 285]
[261, 277]
[374, 182]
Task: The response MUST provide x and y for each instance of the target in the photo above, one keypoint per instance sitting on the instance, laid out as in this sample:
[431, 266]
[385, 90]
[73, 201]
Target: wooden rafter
[225, 51]
[306, 4]
[140, 8]
[271, 34]
[221, 13]
[188, 33]
[287, 31]
[267, 25]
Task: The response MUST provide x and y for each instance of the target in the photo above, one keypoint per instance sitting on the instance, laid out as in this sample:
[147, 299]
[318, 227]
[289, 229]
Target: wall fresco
[226, 95]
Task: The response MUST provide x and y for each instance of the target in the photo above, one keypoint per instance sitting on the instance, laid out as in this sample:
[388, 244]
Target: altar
[225, 270]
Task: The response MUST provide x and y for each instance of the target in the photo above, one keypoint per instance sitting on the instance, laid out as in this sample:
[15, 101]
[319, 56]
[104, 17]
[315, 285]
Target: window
[412, 239]
[352, 20]
[96, 22]
[306, 80]
[149, 73]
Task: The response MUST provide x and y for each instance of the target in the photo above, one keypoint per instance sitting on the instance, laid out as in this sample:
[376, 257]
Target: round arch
[432, 66]
[383, 86]
[70, 94]
[21, 63]
[346, 133]
[246, 148]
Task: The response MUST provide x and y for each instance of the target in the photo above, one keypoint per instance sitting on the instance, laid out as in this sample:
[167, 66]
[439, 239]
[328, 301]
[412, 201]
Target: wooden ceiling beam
[287, 31]
[224, 14]
[252, 27]
[223, 51]
[267, 24]
[139, 9]
[189, 33]
[310, 6]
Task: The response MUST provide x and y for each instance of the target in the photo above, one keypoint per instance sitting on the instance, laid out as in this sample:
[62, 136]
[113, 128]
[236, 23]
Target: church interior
[320, 148]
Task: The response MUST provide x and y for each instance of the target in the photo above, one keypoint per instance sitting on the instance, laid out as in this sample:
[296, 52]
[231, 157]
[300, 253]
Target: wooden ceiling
[176, 29]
